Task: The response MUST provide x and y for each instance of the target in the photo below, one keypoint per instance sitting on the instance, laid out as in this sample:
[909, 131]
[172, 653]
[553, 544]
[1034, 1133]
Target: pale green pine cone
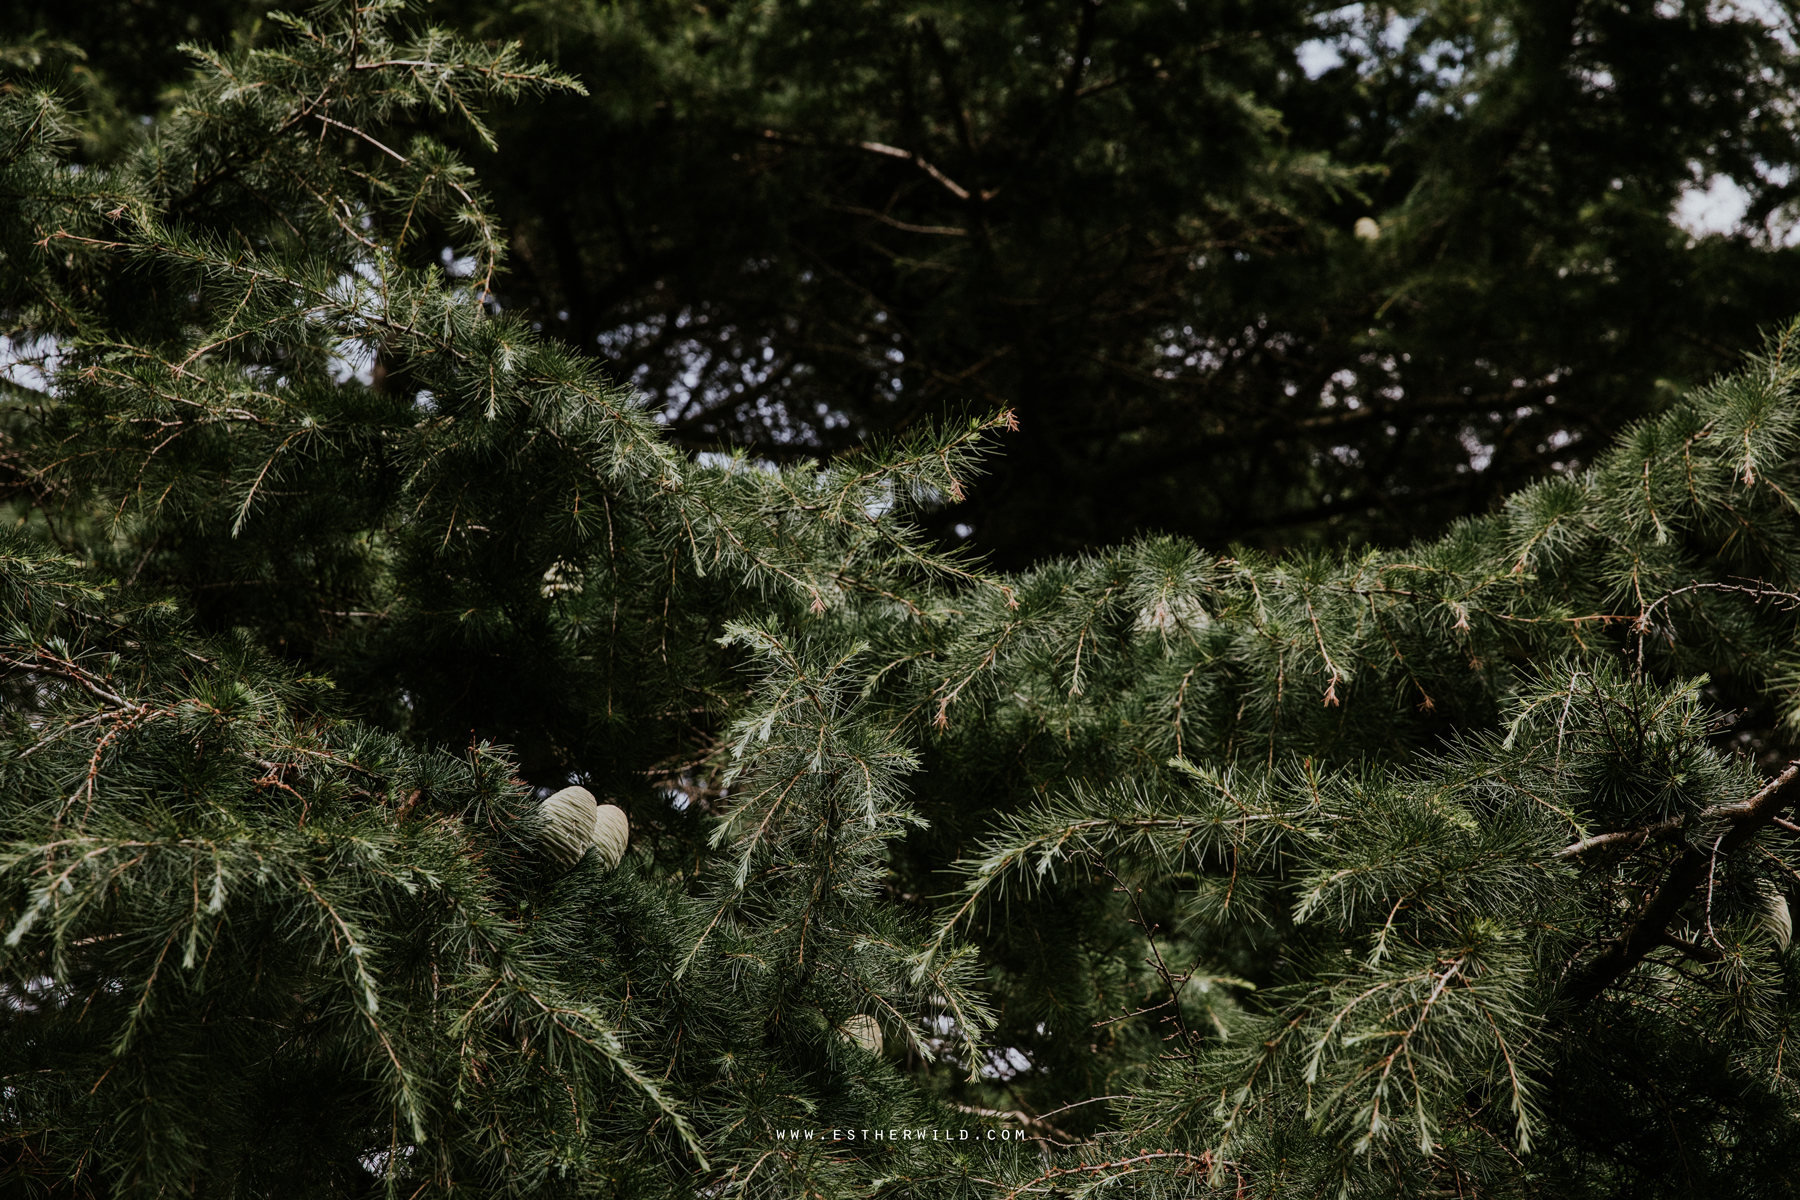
[862, 1030]
[610, 834]
[569, 824]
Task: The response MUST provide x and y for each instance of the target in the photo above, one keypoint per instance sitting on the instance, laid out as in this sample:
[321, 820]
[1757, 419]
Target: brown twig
[1744, 821]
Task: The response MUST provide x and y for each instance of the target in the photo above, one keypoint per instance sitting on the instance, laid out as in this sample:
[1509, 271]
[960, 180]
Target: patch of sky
[1348, 32]
[1716, 208]
[726, 460]
[352, 358]
[1480, 453]
[1003, 1063]
[456, 267]
[1717, 205]
[1317, 57]
[691, 366]
[29, 362]
[1770, 14]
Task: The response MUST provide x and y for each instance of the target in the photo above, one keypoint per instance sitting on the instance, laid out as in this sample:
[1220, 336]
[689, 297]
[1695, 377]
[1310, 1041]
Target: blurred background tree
[794, 226]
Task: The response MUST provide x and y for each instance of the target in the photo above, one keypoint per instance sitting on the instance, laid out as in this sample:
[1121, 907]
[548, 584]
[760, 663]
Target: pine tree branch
[1693, 950]
[1631, 837]
[1194, 1162]
[1744, 821]
[1044, 1129]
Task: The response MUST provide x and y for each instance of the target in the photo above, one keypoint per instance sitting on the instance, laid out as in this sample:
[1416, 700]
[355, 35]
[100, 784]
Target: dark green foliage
[374, 933]
[228, 917]
[1133, 223]
[1385, 872]
[794, 226]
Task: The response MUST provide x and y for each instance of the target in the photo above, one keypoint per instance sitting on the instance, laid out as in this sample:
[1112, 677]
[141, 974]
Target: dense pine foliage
[1431, 871]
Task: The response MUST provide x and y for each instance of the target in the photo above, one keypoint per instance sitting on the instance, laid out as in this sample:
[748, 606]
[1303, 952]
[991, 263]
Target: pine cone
[611, 834]
[1777, 920]
[862, 1030]
[569, 824]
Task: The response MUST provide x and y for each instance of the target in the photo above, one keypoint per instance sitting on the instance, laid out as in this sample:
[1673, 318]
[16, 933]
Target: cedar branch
[1743, 822]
